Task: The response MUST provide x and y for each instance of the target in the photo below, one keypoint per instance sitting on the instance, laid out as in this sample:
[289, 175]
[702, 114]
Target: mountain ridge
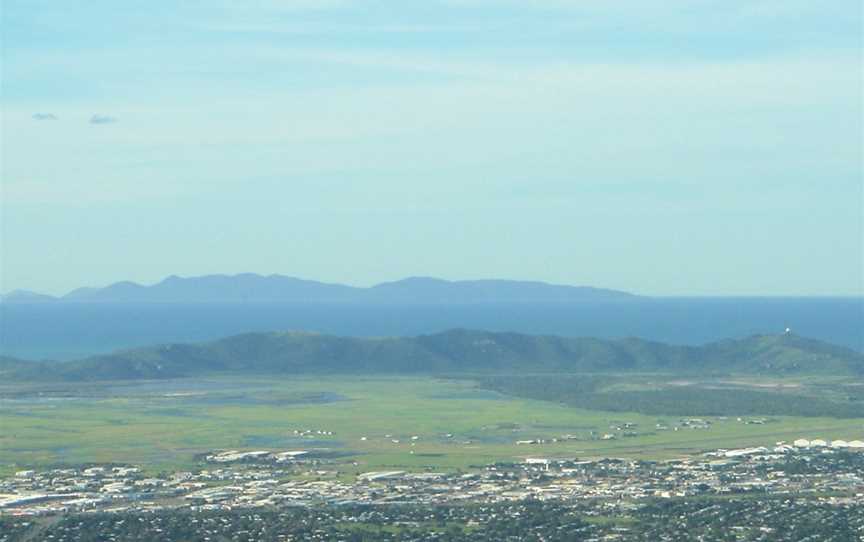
[449, 352]
[251, 287]
[26, 296]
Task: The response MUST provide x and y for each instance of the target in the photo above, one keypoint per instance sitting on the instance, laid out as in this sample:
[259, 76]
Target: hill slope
[455, 351]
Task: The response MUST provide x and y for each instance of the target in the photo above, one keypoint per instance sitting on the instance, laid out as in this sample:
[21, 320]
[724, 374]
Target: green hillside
[450, 352]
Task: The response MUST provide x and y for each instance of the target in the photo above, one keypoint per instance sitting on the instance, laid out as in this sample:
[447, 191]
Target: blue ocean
[65, 331]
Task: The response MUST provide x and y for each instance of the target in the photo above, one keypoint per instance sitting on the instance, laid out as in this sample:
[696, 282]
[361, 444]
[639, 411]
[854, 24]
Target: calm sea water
[68, 331]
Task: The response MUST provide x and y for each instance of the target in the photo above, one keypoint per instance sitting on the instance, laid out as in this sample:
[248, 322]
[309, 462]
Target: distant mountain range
[254, 288]
[451, 352]
[25, 296]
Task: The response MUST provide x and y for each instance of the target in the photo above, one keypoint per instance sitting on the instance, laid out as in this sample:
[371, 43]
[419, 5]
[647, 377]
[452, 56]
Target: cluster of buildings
[819, 443]
[267, 478]
[235, 456]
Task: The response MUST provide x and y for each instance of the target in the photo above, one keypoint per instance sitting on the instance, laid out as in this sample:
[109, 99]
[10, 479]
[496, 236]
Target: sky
[661, 147]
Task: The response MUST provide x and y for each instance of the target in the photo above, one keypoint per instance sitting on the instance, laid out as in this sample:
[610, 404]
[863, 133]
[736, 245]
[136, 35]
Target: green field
[165, 424]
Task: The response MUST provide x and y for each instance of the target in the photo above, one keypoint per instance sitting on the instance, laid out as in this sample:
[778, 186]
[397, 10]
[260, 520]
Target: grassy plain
[167, 424]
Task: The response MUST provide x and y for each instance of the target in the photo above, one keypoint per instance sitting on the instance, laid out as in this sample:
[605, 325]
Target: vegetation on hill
[607, 393]
[453, 352]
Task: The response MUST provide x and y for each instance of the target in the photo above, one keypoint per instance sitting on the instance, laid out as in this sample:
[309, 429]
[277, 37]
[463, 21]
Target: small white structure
[380, 475]
[746, 451]
[233, 455]
[288, 456]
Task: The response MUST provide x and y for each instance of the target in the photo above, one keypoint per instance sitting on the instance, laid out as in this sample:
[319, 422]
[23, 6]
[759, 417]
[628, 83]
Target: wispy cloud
[234, 10]
[342, 28]
[102, 119]
[44, 116]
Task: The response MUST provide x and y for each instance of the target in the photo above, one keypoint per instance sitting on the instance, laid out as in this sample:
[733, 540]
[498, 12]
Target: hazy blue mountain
[219, 288]
[432, 290]
[26, 296]
[250, 287]
[451, 352]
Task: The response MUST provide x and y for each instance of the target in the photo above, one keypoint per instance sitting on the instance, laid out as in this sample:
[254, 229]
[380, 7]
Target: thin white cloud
[242, 9]
[44, 116]
[326, 28]
[457, 66]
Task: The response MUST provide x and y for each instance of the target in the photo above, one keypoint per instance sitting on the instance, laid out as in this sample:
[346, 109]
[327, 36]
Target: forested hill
[450, 352]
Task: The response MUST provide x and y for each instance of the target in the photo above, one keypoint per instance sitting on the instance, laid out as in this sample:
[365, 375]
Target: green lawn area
[164, 425]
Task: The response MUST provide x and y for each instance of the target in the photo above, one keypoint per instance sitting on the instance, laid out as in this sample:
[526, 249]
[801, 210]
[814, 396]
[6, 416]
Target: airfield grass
[164, 426]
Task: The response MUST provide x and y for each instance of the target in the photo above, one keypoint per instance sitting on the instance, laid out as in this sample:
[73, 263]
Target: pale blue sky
[671, 148]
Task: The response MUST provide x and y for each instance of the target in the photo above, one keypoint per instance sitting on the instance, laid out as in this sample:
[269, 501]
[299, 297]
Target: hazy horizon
[665, 149]
[62, 293]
